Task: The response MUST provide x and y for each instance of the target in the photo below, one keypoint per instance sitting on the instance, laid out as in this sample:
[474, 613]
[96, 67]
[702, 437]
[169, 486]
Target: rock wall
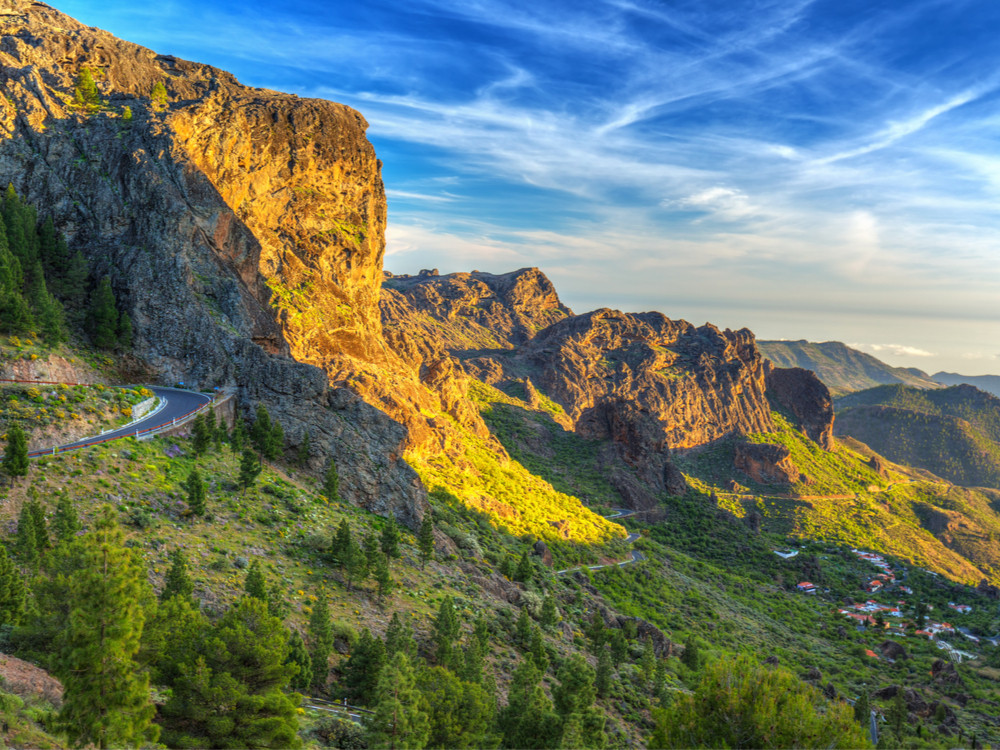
[807, 398]
[197, 209]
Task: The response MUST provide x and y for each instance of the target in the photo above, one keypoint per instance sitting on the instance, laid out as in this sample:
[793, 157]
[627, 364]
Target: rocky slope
[840, 367]
[194, 207]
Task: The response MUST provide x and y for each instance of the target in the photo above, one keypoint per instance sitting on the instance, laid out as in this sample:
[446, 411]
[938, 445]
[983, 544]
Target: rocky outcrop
[804, 395]
[238, 226]
[471, 311]
[766, 463]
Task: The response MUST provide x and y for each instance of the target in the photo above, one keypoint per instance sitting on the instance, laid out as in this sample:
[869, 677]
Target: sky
[824, 170]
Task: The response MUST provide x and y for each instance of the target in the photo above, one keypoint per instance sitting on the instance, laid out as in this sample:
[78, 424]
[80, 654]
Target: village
[890, 616]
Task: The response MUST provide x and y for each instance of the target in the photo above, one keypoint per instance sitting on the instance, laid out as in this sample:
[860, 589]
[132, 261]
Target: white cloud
[900, 350]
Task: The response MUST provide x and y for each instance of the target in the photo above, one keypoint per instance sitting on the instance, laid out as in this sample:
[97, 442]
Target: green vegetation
[953, 432]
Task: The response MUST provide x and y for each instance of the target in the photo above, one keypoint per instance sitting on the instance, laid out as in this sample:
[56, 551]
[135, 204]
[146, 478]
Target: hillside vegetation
[954, 432]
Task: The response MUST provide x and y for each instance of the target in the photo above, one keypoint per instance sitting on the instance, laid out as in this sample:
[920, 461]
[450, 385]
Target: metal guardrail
[98, 440]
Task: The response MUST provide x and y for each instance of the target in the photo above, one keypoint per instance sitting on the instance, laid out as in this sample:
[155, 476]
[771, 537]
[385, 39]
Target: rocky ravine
[195, 208]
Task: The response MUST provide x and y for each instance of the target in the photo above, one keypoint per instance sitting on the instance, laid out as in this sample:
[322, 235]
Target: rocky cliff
[198, 207]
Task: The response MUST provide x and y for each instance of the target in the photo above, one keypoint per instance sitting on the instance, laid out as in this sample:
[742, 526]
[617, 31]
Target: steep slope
[988, 383]
[953, 432]
[194, 206]
[842, 368]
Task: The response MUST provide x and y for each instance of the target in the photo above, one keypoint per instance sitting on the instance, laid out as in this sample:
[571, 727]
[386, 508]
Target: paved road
[634, 536]
[177, 403]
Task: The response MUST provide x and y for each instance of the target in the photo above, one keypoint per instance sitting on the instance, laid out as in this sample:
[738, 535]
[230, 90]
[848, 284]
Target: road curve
[178, 404]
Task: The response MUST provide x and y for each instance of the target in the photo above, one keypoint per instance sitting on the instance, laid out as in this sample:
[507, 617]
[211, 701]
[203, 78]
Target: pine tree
[399, 638]
[195, 486]
[460, 713]
[619, 646]
[898, 712]
[862, 709]
[13, 594]
[201, 435]
[232, 693]
[371, 552]
[177, 582]
[276, 441]
[647, 662]
[508, 569]
[320, 641]
[261, 432]
[597, 633]
[363, 668]
[65, 523]
[522, 629]
[425, 540]
[298, 655]
[605, 673]
[304, 449]
[340, 541]
[445, 630]
[238, 437]
[383, 577]
[527, 721]
[550, 615]
[159, 95]
[26, 541]
[107, 701]
[390, 538]
[691, 658]
[525, 570]
[399, 720]
[255, 584]
[74, 286]
[125, 332]
[103, 316]
[85, 93]
[15, 457]
[331, 483]
[250, 469]
[536, 649]
[472, 666]
[38, 524]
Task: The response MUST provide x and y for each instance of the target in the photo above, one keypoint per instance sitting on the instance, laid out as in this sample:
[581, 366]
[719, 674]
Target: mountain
[988, 383]
[842, 368]
[243, 232]
[953, 432]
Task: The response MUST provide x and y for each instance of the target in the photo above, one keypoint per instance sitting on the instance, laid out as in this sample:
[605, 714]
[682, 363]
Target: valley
[477, 518]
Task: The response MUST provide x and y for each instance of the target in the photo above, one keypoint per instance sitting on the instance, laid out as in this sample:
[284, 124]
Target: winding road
[176, 405]
[634, 536]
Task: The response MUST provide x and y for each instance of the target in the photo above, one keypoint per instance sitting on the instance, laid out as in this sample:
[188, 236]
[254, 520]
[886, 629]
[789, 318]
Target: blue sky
[821, 170]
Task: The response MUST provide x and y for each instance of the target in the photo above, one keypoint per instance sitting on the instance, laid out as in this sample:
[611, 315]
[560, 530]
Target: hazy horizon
[808, 170]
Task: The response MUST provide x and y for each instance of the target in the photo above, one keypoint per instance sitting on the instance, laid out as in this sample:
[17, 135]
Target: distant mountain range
[953, 432]
[841, 368]
[988, 383]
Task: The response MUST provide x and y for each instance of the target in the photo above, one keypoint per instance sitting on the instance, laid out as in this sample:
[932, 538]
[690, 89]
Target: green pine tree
[65, 523]
[320, 642]
[255, 584]
[331, 483]
[460, 713]
[201, 435]
[691, 658]
[250, 469]
[605, 673]
[107, 702]
[383, 577]
[159, 95]
[103, 319]
[238, 437]
[85, 93]
[298, 655]
[536, 649]
[390, 538]
[399, 637]
[13, 594]
[26, 541]
[15, 457]
[261, 432]
[363, 668]
[550, 615]
[178, 581]
[528, 721]
[522, 629]
[399, 720]
[445, 630]
[195, 486]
